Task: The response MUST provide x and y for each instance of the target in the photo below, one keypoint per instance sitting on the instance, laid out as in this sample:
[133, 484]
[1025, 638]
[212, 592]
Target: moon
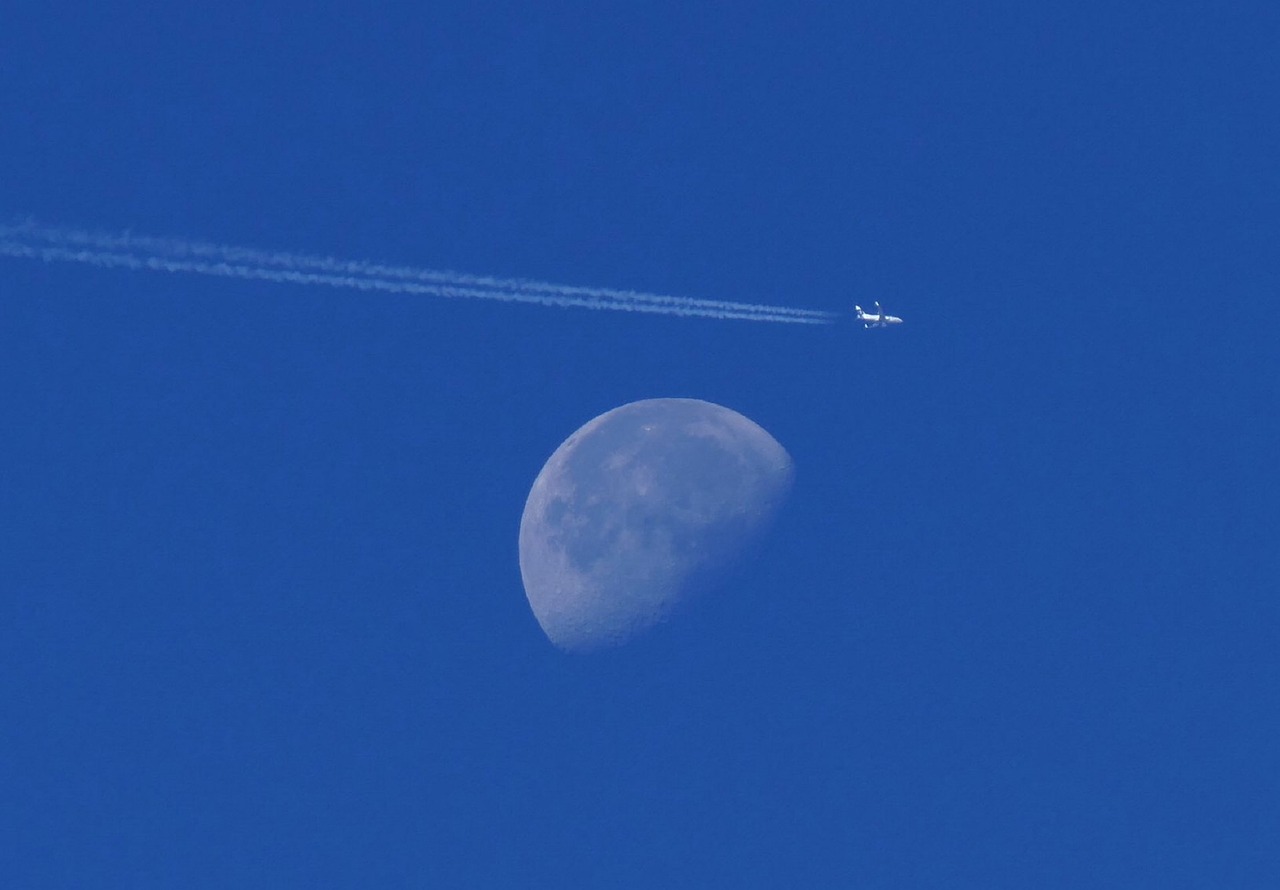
[638, 511]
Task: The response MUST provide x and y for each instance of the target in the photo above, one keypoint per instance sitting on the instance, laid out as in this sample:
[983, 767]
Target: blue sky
[261, 621]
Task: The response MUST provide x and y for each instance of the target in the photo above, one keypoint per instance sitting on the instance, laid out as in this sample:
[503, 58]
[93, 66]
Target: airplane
[878, 320]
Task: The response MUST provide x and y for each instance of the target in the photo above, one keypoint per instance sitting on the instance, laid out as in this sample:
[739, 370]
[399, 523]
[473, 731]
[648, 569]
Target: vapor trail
[115, 260]
[126, 250]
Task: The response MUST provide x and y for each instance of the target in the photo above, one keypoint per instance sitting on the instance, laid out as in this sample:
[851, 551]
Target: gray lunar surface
[638, 511]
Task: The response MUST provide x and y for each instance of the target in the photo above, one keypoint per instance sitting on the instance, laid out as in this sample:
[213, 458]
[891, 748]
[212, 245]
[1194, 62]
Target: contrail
[130, 251]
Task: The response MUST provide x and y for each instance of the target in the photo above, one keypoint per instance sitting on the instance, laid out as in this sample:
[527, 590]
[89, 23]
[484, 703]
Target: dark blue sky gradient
[261, 621]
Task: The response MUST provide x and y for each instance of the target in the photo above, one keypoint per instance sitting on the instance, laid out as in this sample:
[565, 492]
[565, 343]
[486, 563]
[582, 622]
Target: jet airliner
[877, 320]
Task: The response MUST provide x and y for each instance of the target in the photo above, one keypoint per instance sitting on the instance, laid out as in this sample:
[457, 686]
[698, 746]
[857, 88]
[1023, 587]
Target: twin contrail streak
[127, 251]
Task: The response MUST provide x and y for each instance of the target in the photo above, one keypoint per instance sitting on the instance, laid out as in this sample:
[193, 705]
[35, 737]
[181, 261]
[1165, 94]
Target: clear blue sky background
[262, 622]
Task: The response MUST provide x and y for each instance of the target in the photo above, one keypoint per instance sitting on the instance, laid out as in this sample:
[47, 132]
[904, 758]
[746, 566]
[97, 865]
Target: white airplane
[878, 320]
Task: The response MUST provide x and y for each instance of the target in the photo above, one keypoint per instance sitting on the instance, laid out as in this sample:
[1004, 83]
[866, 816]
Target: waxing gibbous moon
[636, 511]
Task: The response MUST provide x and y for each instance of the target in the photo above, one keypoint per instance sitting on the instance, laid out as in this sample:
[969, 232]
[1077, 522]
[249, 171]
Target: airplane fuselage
[877, 320]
